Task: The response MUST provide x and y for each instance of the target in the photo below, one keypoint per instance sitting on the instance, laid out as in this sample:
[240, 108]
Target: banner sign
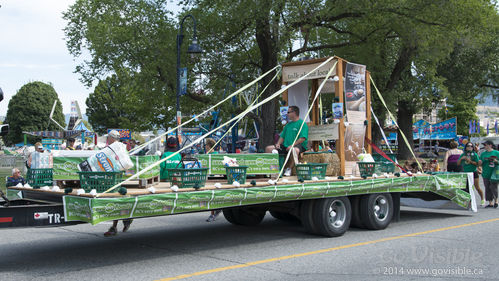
[354, 141]
[96, 210]
[444, 130]
[295, 70]
[183, 80]
[355, 92]
[258, 163]
[66, 168]
[125, 134]
[323, 132]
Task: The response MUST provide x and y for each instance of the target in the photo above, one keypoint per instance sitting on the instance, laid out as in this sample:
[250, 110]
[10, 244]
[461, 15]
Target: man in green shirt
[287, 138]
[488, 160]
[172, 163]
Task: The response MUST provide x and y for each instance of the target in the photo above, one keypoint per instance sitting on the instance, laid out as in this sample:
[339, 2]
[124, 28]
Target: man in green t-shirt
[287, 138]
[488, 160]
[172, 163]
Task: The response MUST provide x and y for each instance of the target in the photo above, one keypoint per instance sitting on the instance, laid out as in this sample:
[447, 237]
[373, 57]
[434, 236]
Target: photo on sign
[284, 113]
[355, 87]
[337, 110]
[354, 141]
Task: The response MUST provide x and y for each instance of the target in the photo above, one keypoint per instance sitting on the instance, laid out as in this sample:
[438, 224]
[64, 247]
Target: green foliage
[464, 110]
[410, 47]
[135, 40]
[116, 104]
[29, 110]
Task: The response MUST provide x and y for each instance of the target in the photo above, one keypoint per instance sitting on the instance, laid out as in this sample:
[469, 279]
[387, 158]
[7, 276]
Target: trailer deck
[142, 203]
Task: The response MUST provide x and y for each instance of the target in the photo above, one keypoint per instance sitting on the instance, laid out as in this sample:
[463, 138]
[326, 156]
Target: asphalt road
[425, 244]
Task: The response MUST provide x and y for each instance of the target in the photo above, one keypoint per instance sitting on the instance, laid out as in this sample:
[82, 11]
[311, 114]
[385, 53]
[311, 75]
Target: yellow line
[323, 250]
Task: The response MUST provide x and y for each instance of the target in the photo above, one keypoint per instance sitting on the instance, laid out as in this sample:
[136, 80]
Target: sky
[33, 49]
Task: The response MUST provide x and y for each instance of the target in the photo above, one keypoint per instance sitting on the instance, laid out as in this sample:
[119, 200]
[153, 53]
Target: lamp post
[194, 48]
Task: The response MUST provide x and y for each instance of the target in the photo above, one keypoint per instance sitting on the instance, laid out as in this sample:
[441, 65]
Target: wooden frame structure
[293, 70]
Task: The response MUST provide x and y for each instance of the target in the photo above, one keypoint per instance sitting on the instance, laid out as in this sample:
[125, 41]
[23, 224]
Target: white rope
[249, 109]
[252, 103]
[138, 148]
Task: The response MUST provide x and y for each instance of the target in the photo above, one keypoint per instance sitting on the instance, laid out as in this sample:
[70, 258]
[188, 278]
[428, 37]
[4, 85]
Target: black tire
[332, 216]
[356, 220]
[283, 216]
[306, 216]
[229, 216]
[244, 216]
[376, 210]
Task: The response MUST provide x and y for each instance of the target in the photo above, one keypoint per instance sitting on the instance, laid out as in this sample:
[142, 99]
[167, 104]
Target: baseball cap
[171, 142]
[114, 134]
[488, 142]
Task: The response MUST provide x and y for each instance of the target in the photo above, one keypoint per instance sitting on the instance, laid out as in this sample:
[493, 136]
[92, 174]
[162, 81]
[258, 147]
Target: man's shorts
[283, 150]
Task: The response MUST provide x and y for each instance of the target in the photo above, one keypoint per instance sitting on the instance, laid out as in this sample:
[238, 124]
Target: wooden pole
[315, 110]
[368, 112]
[338, 91]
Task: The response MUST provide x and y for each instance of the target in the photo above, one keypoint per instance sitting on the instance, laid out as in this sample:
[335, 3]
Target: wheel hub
[337, 213]
[381, 208]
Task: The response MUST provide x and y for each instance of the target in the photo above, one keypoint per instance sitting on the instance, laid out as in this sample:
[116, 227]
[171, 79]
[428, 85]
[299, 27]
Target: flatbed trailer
[325, 207]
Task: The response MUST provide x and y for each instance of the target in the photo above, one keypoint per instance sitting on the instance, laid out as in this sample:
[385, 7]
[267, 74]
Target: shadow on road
[80, 247]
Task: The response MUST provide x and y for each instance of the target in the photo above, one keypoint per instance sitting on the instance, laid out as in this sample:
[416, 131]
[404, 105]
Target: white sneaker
[287, 172]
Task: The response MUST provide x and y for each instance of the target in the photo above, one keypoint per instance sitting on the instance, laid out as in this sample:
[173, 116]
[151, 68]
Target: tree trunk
[404, 120]
[268, 49]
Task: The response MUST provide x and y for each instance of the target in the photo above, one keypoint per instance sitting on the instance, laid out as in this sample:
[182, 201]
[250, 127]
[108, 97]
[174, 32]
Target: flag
[469, 128]
[496, 126]
[478, 126]
[487, 127]
[473, 127]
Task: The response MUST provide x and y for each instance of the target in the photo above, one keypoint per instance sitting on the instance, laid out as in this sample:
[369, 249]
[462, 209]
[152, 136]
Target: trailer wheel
[229, 216]
[283, 216]
[244, 216]
[376, 210]
[306, 216]
[356, 220]
[332, 216]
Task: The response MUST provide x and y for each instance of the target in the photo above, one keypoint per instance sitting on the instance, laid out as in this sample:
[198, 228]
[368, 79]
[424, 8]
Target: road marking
[204, 272]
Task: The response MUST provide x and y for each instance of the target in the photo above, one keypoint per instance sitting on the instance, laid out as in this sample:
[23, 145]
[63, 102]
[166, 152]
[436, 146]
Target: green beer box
[66, 168]
[258, 163]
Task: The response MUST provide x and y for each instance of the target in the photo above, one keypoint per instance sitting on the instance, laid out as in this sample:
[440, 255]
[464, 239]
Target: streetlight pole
[194, 48]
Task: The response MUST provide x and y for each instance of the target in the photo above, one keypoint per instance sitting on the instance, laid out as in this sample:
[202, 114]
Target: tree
[402, 43]
[29, 110]
[134, 40]
[114, 104]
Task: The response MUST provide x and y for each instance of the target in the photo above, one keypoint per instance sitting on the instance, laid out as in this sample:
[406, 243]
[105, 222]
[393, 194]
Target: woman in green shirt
[488, 161]
[469, 162]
